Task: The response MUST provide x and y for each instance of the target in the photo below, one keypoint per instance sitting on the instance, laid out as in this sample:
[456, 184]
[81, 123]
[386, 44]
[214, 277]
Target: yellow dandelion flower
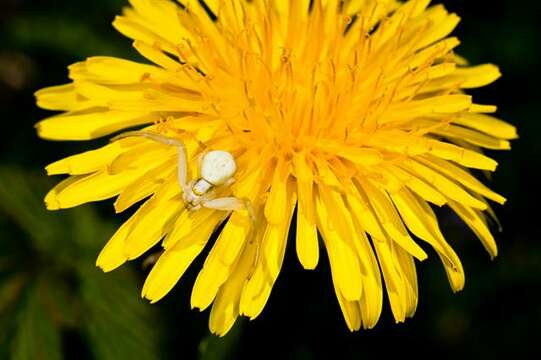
[348, 115]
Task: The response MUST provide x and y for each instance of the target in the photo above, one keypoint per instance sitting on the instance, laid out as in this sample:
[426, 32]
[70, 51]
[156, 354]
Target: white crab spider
[217, 168]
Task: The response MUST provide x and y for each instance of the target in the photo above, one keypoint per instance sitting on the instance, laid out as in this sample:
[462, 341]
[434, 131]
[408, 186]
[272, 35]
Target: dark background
[55, 304]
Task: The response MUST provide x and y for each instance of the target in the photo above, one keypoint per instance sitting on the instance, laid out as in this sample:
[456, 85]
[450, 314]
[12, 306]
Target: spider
[217, 168]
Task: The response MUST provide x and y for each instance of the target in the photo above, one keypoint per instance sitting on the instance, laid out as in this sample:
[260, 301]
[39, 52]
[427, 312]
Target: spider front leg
[182, 169]
[235, 204]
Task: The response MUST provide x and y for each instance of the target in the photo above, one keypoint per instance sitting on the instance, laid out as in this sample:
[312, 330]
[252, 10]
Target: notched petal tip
[108, 260]
[57, 168]
[52, 206]
[39, 130]
[51, 201]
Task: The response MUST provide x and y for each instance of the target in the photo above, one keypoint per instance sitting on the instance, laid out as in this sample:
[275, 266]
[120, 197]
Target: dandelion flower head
[349, 123]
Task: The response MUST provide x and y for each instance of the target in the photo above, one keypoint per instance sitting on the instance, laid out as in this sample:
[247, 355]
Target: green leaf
[117, 322]
[63, 236]
[36, 337]
[20, 200]
[59, 250]
[10, 289]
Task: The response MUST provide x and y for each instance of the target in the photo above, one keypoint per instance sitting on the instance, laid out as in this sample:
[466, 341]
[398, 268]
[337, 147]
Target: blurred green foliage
[55, 304]
[52, 288]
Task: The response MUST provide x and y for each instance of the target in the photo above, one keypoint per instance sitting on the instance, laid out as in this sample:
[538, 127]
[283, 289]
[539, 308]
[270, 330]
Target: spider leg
[182, 162]
[182, 168]
[224, 204]
[166, 140]
[199, 159]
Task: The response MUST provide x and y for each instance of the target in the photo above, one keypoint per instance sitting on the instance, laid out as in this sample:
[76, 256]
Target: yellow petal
[473, 137]
[144, 186]
[487, 124]
[151, 226]
[444, 184]
[168, 270]
[155, 54]
[483, 109]
[336, 231]
[443, 25]
[475, 220]
[306, 244]
[113, 255]
[417, 222]
[157, 20]
[101, 95]
[221, 260]
[347, 225]
[451, 262]
[51, 201]
[441, 48]
[130, 28]
[371, 302]
[276, 201]
[95, 187]
[305, 181]
[420, 187]
[360, 156]
[390, 220]
[350, 309]
[393, 279]
[62, 98]
[463, 177]
[325, 174]
[272, 247]
[114, 71]
[226, 307]
[409, 277]
[360, 206]
[186, 223]
[89, 125]
[173, 263]
[144, 154]
[436, 104]
[88, 161]
[478, 76]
